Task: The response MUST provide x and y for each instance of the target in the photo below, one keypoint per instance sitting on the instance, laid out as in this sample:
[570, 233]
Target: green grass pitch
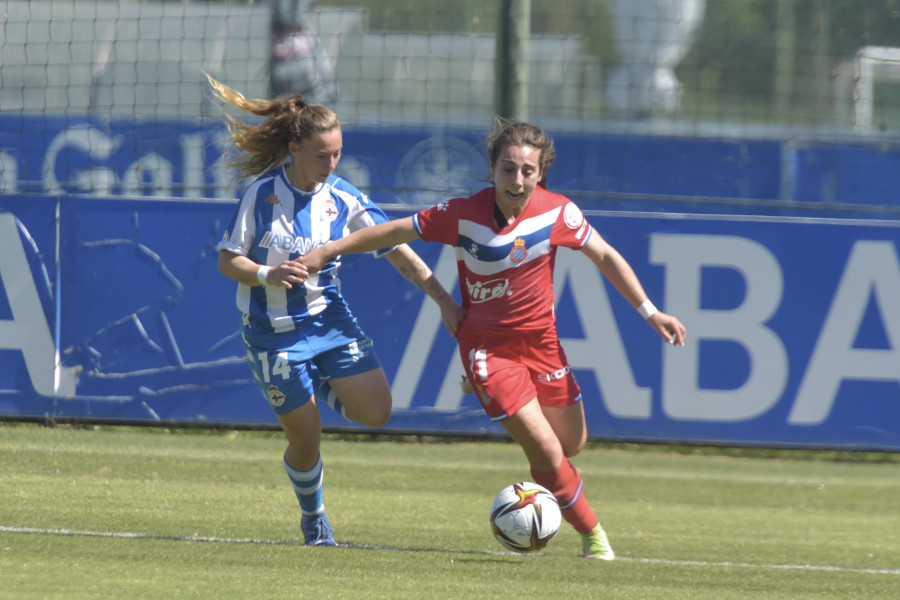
[148, 513]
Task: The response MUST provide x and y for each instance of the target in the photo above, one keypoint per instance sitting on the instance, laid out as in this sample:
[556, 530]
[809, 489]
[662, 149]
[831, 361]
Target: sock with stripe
[308, 487]
[565, 483]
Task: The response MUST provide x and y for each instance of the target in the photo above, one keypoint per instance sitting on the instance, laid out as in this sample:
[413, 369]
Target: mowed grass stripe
[217, 540]
[413, 517]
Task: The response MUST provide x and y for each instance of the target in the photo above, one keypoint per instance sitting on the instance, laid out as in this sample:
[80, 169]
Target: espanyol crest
[518, 253]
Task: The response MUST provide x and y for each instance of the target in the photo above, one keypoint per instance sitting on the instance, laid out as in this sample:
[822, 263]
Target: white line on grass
[219, 540]
[726, 564]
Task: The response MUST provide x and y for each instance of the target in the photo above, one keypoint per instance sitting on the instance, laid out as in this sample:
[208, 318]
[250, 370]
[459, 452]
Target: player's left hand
[288, 274]
[313, 260]
[669, 327]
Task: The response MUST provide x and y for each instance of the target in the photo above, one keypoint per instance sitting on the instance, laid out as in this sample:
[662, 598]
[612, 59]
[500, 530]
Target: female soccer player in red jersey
[506, 238]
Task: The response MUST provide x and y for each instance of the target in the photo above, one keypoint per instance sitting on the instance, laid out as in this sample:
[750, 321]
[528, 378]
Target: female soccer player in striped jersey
[506, 238]
[304, 345]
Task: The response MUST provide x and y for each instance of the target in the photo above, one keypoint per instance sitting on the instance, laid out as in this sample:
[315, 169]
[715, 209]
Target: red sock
[565, 483]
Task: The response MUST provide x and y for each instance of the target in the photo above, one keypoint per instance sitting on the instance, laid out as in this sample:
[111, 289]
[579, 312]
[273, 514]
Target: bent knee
[374, 419]
[572, 449]
[374, 415]
[378, 419]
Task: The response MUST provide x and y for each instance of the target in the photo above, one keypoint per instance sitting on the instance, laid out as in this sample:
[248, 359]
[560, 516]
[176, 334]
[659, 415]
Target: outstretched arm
[413, 268]
[369, 239]
[614, 266]
[404, 259]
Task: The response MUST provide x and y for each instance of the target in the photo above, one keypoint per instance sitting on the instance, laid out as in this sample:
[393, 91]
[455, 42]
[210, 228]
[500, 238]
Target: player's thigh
[559, 393]
[366, 396]
[569, 425]
[303, 428]
[354, 373]
[502, 383]
[530, 428]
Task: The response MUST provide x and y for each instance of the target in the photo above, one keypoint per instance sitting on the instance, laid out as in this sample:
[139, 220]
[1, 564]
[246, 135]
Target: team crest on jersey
[331, 209]
[519, 252]
[273, 199]
[573, 216]
[275, 396]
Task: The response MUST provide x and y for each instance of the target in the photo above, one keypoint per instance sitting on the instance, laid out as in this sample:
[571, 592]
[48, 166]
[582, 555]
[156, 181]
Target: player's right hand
[314, 260]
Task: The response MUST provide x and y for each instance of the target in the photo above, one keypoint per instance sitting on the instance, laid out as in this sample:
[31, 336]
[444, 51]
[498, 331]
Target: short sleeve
[440, 223]
[572, 229]
[238, 238]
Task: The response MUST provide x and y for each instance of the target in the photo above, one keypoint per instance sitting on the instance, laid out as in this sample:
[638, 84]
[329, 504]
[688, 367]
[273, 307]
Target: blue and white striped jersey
[275, 222]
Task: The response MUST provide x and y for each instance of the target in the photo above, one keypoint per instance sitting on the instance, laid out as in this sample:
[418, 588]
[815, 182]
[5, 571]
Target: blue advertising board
[114, 310]
[421, 166]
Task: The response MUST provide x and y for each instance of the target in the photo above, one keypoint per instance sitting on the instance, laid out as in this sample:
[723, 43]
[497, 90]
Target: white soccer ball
[525, 517]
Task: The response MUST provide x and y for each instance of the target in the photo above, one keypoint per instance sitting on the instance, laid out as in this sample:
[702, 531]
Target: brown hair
[516, 133]
[265, 146]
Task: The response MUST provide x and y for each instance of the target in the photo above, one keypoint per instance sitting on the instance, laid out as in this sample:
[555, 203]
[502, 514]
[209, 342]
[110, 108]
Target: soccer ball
[525, 517]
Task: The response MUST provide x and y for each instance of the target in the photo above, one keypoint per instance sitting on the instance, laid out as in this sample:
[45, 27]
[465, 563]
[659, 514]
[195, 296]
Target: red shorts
[508, 373]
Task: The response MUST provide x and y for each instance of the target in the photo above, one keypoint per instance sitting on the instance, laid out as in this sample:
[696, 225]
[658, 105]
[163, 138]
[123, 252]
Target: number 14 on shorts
[265, 368]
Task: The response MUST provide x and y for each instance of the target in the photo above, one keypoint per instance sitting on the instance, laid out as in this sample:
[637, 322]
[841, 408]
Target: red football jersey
[506, 273]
